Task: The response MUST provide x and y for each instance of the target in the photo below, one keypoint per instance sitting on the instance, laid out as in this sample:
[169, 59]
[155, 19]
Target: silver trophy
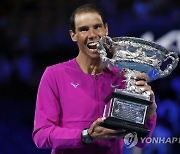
[130, 55]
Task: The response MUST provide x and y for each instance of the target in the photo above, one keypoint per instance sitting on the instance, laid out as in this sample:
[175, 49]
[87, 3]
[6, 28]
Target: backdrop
[34, 34]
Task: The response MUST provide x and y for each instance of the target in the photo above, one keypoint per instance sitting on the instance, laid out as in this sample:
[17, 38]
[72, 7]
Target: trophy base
[127, 112]
[114, 123]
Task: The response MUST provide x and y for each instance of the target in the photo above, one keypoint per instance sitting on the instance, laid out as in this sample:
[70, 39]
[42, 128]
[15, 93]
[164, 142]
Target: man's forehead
[81, 19]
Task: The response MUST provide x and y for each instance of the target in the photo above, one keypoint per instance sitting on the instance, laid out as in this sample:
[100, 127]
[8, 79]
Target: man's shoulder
[62, 65]
[59, 69]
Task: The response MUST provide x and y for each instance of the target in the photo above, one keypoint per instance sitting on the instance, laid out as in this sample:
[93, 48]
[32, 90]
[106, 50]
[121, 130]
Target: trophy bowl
[130, 55]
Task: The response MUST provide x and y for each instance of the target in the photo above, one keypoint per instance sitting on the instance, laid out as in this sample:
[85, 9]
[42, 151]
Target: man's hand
[97, 132]
[143, 87]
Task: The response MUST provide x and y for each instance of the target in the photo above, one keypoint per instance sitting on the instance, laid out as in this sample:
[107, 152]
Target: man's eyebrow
[82, 27]
[100, 24]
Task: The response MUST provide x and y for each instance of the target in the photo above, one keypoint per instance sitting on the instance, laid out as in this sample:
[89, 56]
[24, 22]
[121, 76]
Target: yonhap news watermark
[164, 140]
[131, 140]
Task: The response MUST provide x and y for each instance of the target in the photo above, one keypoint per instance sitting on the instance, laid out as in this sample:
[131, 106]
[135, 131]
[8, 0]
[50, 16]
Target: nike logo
[114, 86]
[75, 85]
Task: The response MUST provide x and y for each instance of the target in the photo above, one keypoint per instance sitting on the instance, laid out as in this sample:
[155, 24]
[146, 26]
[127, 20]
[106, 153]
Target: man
[71, 95]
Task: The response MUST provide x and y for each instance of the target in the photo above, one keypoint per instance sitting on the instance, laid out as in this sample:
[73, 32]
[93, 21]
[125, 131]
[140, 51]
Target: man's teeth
[92, 44]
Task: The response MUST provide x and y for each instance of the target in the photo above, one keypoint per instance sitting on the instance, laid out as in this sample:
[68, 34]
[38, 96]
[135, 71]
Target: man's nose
[92, 33]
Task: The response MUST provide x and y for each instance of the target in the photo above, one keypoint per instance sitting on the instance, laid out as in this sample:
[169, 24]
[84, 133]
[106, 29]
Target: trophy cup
[130, 55]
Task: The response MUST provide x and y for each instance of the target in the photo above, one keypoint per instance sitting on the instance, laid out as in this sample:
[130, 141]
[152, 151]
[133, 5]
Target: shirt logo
[75, 85]
[114, 85]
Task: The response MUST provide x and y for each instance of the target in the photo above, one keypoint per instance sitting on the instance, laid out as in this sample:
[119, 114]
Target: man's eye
[98, 26]
[83, 29]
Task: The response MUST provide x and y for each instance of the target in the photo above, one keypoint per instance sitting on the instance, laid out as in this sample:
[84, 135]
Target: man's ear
[73, 35]
[106, 27]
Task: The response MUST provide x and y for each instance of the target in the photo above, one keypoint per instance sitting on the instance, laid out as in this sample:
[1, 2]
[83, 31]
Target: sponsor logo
[114, 85]
[75, 85]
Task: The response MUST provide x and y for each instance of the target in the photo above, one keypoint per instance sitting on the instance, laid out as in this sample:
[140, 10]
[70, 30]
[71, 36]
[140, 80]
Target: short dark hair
[84, 9]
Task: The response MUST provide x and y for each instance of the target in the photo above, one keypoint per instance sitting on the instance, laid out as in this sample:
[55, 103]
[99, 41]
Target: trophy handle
[104, 47]
[168, 64]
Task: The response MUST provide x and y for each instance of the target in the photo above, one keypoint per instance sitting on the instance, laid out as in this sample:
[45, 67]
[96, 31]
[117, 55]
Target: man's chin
[93, 51]
[94, 54]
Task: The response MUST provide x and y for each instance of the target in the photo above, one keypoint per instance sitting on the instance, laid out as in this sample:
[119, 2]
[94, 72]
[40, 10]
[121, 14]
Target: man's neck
[90, 66]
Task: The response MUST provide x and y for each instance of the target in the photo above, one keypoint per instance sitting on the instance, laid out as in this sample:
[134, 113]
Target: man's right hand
[97, 132]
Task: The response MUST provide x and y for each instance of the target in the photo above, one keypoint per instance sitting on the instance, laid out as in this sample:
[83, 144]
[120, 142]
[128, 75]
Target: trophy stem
[130, 84]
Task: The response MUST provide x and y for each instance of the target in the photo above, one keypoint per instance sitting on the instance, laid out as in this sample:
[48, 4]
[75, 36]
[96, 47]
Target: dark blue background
[34, 34]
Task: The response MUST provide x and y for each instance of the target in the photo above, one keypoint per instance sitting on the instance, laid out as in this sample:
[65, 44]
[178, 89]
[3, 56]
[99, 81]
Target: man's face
[89, 28]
